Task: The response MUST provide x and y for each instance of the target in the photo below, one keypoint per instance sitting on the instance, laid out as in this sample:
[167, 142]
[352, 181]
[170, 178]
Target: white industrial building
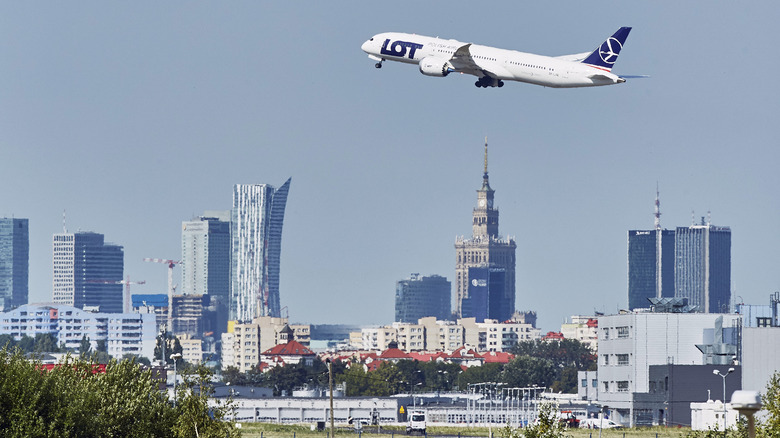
[629, 344]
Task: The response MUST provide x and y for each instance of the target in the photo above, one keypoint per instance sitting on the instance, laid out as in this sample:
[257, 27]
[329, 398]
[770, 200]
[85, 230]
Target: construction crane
[171, 264]
[126, 299]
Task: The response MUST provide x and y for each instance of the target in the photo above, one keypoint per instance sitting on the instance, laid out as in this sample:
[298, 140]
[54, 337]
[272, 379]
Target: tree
[770, 427]
[547, 426]
[525, 371]
[489, 372]
[26, 344]
[172, 346]
[194, 417]
[7, 341]
[74, 400]
[46, 343]
[567, 356]
[84, 347]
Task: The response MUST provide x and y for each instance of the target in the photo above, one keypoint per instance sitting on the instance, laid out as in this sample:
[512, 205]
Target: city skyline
[133, 118]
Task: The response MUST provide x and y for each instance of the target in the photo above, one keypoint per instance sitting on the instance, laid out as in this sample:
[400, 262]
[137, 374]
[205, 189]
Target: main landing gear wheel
[378, 65]
[500, 84]
[478, 84]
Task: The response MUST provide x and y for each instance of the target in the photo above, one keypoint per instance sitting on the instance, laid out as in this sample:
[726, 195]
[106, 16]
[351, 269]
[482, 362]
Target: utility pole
[330, 384]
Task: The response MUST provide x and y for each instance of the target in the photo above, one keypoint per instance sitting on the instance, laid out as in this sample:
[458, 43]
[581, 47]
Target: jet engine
[433, 66]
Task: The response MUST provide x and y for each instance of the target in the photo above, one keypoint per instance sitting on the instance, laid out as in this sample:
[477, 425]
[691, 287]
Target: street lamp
[717, 373]
[175, 357]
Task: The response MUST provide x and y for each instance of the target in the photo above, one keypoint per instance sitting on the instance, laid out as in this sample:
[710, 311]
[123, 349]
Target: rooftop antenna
[693, 218]
[657, 208]
[709, 217]
[64, 228]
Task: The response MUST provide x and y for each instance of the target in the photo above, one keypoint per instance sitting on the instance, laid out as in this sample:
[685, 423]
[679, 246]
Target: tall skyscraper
[703, 266]
[88, 271]
[205, 267]
[687, 262]
[418, 297]
[256, 233]
[14, 263]
[485, 248]
[205, 257]
[650, 263]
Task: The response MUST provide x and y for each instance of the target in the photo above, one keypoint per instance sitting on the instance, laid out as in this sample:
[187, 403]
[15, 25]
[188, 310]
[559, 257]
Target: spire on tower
[485, 181]
[657, 208]
[486, 157]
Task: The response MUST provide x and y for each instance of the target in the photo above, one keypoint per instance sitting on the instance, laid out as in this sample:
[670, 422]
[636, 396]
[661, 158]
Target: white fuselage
[503, 64]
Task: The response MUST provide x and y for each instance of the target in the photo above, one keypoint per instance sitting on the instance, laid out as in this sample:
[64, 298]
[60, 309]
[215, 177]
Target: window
[622, 332]
[622, 386]
[606, 333]
[606, 359]
[595, 383]
[622, 359]
[584, 383]
[606, 386]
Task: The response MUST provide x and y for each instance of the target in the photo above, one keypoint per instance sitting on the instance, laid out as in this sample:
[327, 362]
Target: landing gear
[378, 64]
[487, 81]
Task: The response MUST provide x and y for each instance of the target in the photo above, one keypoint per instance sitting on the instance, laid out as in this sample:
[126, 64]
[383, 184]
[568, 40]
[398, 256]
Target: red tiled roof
[461, 352]
[393, 353]
[593, 322]
[497, 357]
[292, 348]
[553, 336]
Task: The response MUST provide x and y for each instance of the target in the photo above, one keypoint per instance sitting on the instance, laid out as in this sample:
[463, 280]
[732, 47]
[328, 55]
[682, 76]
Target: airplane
[492, 66]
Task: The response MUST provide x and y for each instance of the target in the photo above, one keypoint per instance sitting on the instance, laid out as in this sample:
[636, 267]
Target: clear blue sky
[136, 116]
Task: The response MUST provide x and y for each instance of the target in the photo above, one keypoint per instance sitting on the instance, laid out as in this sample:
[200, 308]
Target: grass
[266, 430]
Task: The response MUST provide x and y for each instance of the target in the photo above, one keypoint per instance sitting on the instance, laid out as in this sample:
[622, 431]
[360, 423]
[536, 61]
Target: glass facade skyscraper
[419, 297]
[256, 222]
[703, 266]
[687, 262]
[205, 257]
[14, 262]
[88, 272]
[650, 266]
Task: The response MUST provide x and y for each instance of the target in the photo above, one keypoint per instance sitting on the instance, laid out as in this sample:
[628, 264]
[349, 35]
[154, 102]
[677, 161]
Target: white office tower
[256, 233]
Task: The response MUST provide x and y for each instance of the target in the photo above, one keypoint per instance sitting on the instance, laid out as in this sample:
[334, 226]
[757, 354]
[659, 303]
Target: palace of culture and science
[486, 255]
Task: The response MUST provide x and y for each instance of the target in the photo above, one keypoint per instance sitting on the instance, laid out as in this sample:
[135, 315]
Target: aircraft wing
[462, 61]
[577, 57]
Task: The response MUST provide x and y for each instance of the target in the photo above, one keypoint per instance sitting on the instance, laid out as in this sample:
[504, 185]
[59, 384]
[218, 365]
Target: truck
[416, 422]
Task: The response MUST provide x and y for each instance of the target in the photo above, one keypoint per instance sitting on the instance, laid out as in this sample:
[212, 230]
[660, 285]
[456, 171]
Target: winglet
[607, 53]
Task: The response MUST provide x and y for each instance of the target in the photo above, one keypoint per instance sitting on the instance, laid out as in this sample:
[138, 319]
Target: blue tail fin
[607, 53]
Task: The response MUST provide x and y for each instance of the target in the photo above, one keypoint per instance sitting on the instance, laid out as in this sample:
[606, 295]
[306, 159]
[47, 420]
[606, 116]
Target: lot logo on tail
[399, 48]
[609, 50]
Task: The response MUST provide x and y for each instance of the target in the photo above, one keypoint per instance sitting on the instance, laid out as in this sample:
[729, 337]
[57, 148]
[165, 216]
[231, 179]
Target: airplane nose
[365, 45]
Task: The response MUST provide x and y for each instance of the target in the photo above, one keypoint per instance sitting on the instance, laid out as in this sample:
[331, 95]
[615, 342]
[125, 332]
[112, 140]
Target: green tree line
[549, 364]
[72, 401]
